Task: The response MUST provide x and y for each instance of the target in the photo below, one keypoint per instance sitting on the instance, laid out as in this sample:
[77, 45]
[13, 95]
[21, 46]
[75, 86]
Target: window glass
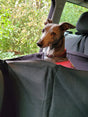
[71, 13]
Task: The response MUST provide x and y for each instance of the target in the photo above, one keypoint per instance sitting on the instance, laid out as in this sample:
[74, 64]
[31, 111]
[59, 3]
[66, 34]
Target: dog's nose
[38, 44]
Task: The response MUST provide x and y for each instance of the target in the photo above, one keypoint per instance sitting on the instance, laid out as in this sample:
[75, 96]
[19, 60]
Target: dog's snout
[39, 44]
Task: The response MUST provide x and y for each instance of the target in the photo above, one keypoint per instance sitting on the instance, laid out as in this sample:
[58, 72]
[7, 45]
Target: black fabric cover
[74, 57]
[43, 89]
[36, 56]
[8, 105]
[82, 24]
[1, 87]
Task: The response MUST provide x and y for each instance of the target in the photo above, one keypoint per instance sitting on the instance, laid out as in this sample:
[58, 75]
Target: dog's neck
[57, 49]
[60, 54]
[57, 43]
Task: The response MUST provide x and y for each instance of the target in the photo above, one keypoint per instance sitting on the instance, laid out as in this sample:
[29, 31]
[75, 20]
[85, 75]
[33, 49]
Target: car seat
[79, 42]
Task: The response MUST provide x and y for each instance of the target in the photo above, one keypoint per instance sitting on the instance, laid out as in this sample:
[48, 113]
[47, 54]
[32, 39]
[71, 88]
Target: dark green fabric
[70, 93]
[1, 90]
[43, 89]
[32, 86]
[8, 104]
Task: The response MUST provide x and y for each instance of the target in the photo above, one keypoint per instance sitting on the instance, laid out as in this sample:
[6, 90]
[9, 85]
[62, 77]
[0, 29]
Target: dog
[53, 41]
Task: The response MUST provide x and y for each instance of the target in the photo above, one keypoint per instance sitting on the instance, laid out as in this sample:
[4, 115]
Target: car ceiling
[83, 3]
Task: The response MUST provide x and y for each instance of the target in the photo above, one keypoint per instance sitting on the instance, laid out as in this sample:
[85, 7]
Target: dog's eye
[53, 33]
[43, 30]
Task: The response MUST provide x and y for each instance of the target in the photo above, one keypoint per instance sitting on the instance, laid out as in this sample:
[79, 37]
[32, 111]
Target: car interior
[32, 87]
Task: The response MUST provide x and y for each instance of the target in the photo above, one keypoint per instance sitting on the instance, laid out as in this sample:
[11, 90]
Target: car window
[71, 13]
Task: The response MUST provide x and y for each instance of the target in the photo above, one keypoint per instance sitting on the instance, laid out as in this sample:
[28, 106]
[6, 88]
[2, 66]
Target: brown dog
[53, 38]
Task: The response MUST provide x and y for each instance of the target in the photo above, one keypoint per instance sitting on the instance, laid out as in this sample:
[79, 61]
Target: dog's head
[53, 32]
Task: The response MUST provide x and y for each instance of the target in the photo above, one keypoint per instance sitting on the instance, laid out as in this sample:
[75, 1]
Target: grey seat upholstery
[79, 42]
[70, 41]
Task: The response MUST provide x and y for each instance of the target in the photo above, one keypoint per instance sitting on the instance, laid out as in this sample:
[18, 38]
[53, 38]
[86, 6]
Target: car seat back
[79, 41]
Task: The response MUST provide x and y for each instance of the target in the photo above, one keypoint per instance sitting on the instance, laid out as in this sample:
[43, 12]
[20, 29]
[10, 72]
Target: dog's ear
[48, 21]
[65, 26]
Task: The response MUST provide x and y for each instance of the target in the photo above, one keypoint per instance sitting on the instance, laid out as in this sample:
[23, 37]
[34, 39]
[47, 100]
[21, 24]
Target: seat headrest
[82, 24]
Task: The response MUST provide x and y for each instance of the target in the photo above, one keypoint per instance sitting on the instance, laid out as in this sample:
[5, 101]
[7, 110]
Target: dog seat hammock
[31, 87]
